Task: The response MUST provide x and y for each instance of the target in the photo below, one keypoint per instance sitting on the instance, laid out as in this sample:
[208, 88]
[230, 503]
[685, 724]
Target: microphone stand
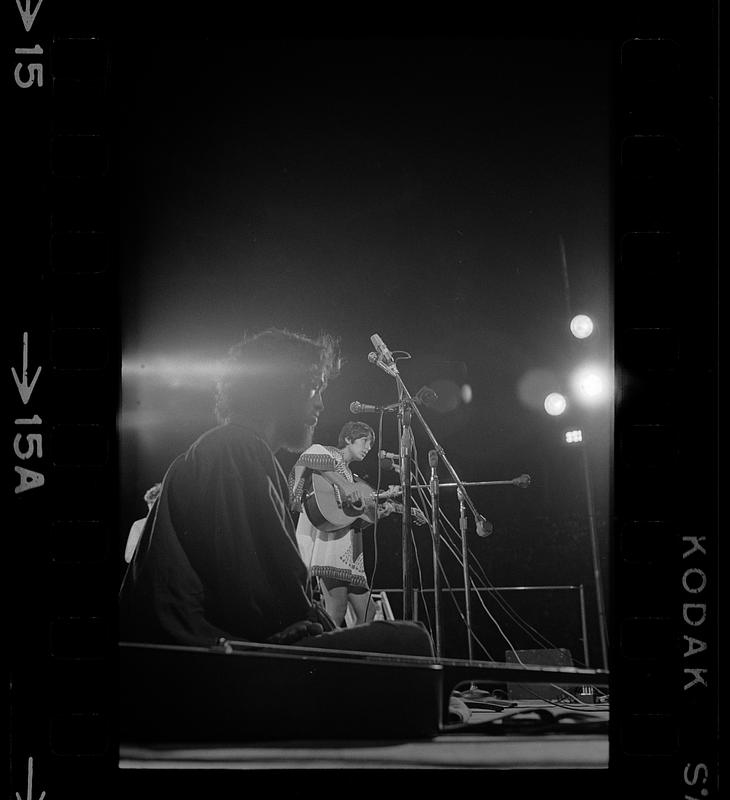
[523, 481]
[406, 444]
[433, 462]
[483, 526]
[465, 566]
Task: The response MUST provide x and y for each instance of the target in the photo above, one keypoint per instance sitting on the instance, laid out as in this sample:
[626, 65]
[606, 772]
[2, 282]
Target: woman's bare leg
[334, 594]
[363, 606]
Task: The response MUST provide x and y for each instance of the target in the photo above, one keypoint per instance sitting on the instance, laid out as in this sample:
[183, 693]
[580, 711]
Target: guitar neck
[399, 509]
[386, 494]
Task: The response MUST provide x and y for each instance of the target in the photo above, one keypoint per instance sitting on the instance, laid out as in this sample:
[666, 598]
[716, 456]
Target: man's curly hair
[265, 368]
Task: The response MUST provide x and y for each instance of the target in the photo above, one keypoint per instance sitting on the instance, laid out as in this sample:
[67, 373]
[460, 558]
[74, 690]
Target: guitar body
[328, 510]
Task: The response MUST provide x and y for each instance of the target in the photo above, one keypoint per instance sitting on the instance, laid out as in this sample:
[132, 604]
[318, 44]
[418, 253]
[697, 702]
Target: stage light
[535, 385]
[591, 384]
[555, 404]
[581, 326]
[574, 437]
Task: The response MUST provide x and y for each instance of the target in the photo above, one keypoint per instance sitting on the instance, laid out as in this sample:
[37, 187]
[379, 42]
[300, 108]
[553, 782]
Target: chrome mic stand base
[474, 693]
[485, 699]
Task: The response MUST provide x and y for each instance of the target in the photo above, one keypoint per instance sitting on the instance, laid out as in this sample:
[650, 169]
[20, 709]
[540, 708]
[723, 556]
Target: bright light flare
[555, 404]
[574, 437]
[174, 371]
[581, 326]
[591, 384]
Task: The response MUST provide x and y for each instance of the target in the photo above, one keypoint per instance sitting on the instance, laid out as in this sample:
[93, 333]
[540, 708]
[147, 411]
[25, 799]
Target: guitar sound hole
[353, 507]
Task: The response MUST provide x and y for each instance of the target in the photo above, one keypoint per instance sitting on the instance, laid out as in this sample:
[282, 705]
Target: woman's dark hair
[354, 430]
[264, 369]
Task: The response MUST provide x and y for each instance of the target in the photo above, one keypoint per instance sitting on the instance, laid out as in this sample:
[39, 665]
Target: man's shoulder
[227, 437]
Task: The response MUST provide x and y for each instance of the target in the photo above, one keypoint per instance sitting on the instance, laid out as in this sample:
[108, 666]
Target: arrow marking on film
[24, 389]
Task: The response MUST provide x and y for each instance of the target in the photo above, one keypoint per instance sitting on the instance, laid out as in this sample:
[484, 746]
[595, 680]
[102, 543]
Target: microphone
[389, 460]
[484, 527]
[433, 461]
[389, 463]
[382, 349]
[356, 407]
[425, 396]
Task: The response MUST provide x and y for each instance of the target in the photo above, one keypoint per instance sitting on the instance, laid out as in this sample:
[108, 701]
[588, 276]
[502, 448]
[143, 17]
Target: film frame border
[63, 343]
[62, 347]
[666, 667]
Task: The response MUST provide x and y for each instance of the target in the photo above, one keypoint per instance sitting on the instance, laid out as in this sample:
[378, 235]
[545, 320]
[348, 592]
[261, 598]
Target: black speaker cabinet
[188, 694]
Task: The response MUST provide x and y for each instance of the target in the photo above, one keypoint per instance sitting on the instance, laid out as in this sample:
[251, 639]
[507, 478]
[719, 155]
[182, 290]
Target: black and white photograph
[366, 398]
[364, 401]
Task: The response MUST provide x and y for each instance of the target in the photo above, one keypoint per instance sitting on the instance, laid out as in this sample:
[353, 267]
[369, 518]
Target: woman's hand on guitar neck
[385, 509]
[388, 507]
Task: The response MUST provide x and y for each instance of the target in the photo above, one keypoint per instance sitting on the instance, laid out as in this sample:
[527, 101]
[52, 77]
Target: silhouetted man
[219, 559]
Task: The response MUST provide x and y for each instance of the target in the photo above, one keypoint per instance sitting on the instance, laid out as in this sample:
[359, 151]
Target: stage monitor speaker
[192, 694]
[537, 691]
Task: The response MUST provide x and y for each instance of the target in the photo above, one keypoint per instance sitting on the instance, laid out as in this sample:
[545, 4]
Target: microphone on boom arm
[356, 407]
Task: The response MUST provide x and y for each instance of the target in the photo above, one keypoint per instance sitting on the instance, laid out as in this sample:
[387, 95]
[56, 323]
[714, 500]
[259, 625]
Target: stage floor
[528, 735]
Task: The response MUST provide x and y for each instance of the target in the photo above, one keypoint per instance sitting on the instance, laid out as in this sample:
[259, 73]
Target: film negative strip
[665, 665]
[63, 364]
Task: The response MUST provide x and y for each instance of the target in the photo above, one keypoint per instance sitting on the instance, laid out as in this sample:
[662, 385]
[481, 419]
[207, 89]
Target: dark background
[64, 692]
[417, 188]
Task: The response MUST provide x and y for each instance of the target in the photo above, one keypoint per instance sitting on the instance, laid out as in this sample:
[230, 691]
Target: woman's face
[360, 447]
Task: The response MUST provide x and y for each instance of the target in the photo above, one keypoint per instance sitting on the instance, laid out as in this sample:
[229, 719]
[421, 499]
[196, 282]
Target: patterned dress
[337, 554]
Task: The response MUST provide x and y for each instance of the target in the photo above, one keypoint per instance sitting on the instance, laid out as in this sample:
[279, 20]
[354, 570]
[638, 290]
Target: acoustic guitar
[329, 510]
